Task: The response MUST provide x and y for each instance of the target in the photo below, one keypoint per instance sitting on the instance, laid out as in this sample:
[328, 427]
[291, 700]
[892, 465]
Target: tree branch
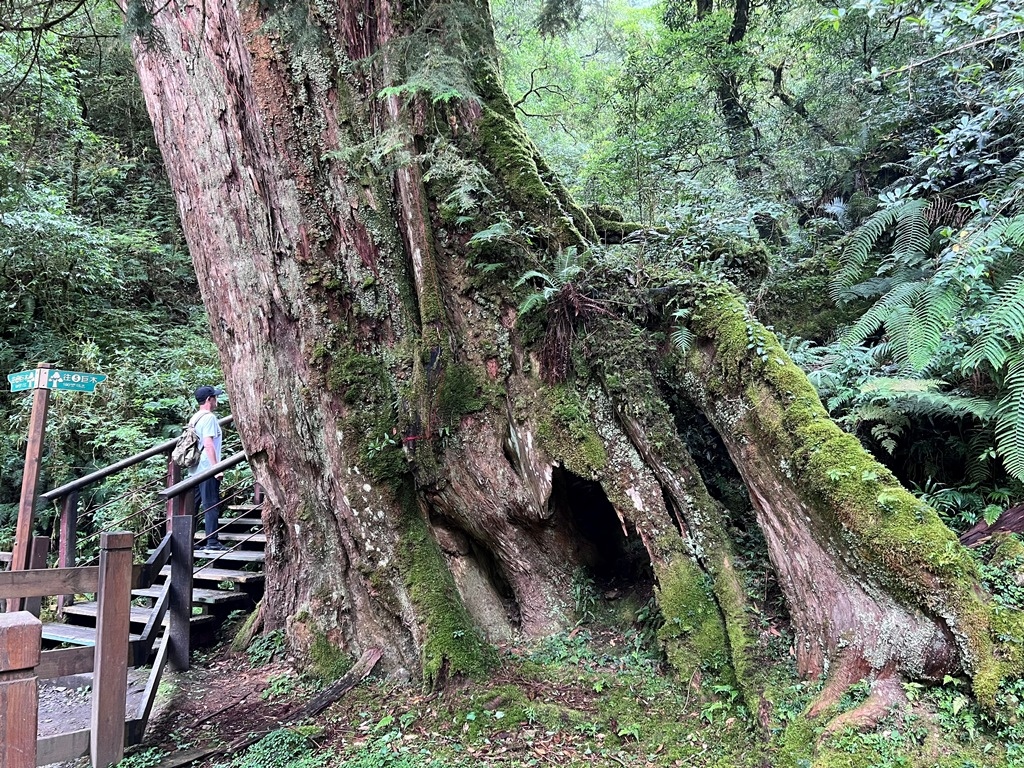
[966, 46]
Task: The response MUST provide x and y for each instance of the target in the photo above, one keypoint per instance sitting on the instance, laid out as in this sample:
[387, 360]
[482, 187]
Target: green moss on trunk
[693, 634]
[450, 641]
[898, 540]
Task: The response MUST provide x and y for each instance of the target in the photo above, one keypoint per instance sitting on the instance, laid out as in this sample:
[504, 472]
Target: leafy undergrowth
[592, 697]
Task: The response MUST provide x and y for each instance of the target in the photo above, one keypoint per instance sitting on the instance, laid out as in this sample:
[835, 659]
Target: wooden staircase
[224, 581]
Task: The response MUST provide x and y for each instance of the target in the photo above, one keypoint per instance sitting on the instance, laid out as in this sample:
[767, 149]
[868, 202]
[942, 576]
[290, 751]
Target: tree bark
[429, 486]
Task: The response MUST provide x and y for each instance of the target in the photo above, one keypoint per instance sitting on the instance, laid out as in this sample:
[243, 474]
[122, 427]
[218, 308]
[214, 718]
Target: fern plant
[565, 296]
[948, 306]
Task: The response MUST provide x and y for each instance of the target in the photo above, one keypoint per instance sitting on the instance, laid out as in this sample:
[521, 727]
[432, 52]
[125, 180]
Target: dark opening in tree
[605, 545]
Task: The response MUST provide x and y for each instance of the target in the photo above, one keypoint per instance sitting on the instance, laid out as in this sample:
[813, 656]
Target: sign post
[33, 462]
[44, 378]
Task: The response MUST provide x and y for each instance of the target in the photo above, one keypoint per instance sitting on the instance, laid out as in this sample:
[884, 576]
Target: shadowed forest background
[855, 172]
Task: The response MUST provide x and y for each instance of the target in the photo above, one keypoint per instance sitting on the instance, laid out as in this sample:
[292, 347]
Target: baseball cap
[205, 393]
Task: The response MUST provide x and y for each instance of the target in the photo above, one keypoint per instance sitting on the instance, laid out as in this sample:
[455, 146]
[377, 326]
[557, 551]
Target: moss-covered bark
[902, 592]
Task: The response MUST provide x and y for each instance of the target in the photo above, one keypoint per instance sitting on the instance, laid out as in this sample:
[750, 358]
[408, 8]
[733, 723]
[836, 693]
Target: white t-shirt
[205, 423]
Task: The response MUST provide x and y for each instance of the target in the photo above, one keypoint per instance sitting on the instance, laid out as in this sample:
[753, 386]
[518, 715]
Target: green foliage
[284, 748]
[265, 648]
[280, 685]
[147, 758]
[93, 272]
[584, 595]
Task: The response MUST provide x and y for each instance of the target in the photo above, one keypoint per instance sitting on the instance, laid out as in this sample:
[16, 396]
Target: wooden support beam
[20, 637]
[110, 669]
[68, 545]
[40, 551]
[63, 662]
[180, 598]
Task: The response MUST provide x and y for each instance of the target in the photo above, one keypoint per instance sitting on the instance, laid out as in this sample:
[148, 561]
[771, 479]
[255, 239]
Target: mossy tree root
[868, 571]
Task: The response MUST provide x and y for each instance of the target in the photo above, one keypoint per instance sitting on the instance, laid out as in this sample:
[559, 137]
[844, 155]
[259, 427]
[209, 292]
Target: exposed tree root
[851, 669]
[886, 693]
[252, 626]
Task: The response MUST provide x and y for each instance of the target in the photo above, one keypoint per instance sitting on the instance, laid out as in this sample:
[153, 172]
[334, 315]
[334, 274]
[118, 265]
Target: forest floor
[595, 696]
[583, 698]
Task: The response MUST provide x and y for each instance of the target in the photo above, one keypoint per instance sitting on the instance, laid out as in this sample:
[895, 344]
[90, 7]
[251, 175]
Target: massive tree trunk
[421, 442]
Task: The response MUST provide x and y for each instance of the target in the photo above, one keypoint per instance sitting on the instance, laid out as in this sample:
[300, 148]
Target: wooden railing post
[37, 561]
[110, 665]
[183, 504]
[67, 548]
[20, 636]
[173, 478]
[180, 598]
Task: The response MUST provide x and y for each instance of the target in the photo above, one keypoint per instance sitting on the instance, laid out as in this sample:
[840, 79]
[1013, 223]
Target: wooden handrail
[113, 469]
[51, 581]
[191, 482]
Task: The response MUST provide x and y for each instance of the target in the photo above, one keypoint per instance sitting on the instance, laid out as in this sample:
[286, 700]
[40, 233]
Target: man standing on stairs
[208, 491]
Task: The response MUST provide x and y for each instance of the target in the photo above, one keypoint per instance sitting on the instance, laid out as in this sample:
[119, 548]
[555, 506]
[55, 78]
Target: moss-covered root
[526, 180]
[693, 634]
[250, 628]
[451, 644]
[864, 527]
[704, 524]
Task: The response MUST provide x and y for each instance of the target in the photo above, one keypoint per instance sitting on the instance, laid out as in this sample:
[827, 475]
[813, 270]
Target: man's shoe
[214, 546]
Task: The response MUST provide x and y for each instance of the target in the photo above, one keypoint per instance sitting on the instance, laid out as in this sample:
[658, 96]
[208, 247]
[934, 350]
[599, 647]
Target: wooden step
[233, 555]
[238, 555]
[248, 522]
[139, 615]
[245, 506]
[199, 595]
[74, 634]
[246, 538]
[221, 574]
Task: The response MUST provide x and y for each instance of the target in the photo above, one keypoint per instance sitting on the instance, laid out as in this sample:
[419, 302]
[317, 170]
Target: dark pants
[208, 504]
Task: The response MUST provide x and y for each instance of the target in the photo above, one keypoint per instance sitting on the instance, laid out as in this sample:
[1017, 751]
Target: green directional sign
[73, 380]
[53, 378]
[23, 380]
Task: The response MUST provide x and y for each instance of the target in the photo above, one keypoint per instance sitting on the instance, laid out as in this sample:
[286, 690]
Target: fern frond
[912, 240]
[870, 288]
[923, 397]
[913, 236]
[1004, 327]
[682, 337]
[934, 310]
[532, 274]
[902, 296]
[1010, 421]
[858, 250]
